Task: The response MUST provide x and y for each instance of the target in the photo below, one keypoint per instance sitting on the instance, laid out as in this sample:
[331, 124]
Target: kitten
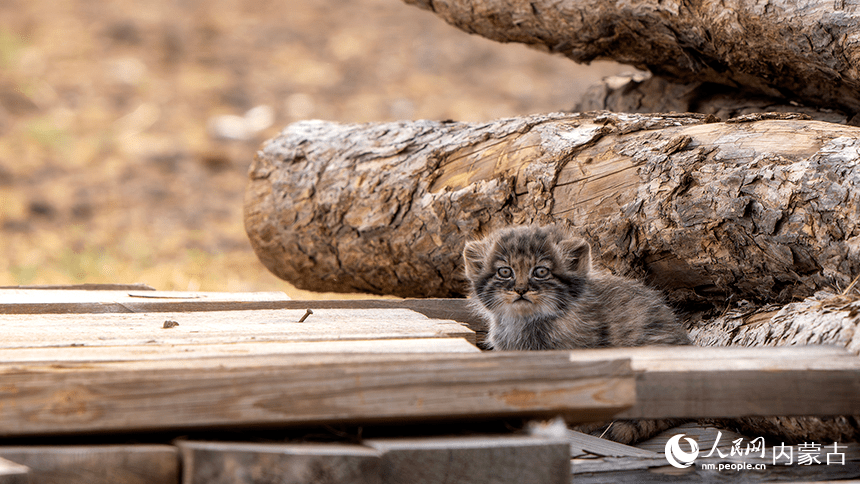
[538, 291]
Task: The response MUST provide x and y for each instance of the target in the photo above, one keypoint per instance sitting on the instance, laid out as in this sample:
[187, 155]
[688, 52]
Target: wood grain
[30, 331]
[248, 463]
[69, 397]
[89, 396]
[474, 460]
[823, 319]
[693, 382]
[763, 209]
[584, 444]
[131, 300]
[430, 460]
[456, 309]
[216, 350]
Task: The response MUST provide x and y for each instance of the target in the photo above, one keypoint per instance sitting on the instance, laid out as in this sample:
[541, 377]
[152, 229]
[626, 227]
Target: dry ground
[107, 170]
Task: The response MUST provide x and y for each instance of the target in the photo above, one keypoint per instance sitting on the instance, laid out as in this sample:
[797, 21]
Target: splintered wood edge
[126, 463]
[9, 468]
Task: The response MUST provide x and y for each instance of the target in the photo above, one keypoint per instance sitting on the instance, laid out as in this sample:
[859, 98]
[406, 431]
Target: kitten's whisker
[607, 428]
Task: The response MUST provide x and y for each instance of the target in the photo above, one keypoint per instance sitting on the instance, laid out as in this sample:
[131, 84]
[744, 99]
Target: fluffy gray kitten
[536, 288]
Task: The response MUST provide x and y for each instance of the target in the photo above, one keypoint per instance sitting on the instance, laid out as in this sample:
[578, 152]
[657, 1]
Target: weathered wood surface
[430, 460]
[764, 209]
[36, 301]
[825, 318]
[805, 51]
[456, 309]
[49, 330]
[474, 460]
[248, 463]
[693, 382]
[83, 287]
[88, 396]
[97, 464]
[75, 397]
[12, 473]
[217, 350]
[644, 93]
[107, 301]
[584, 444]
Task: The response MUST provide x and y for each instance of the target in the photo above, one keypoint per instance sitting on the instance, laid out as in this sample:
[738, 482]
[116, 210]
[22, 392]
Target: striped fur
[537, 289]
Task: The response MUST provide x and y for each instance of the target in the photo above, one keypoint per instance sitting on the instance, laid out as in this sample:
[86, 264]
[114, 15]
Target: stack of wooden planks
[82, 366]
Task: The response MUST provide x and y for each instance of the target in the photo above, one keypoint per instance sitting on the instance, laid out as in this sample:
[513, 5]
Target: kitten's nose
[521, 290]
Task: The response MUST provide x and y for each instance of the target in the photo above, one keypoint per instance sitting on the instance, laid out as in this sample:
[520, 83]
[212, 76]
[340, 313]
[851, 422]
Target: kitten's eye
[505, 272]
[540, 272]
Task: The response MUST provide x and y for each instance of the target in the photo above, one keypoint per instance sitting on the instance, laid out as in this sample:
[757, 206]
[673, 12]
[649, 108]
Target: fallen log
[766, 209]
[805, 52]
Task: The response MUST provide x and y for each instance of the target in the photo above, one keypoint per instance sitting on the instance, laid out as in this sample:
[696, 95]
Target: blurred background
[126, 128]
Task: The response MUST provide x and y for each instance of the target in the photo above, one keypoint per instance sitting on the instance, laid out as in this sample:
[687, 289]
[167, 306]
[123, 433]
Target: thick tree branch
[804, 51]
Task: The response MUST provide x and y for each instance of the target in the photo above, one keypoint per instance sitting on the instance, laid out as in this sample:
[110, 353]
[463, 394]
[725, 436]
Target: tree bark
[766, 209]
[643, 93]
[805, 51]
[823, 319]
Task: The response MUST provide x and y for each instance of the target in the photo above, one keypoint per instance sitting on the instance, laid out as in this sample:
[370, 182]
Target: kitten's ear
[473, 255]
[577, 255]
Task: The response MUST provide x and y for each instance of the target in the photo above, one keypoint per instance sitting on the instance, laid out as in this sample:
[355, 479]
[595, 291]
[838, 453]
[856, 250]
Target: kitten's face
[527, 271]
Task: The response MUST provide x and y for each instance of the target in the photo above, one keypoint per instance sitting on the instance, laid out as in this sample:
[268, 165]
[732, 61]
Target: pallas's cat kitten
[538, 291]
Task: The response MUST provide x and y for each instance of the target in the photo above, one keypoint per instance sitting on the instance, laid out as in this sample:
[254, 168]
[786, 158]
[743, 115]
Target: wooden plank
[101, 464]
[58, 301]
[474, 460]
[70, 397]
[248, 463]
[584, 444]
[84, 287]
[452, 308]
[12, 473]
[693, 382]
[498, 459]
[269, 348]
[28, 331]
